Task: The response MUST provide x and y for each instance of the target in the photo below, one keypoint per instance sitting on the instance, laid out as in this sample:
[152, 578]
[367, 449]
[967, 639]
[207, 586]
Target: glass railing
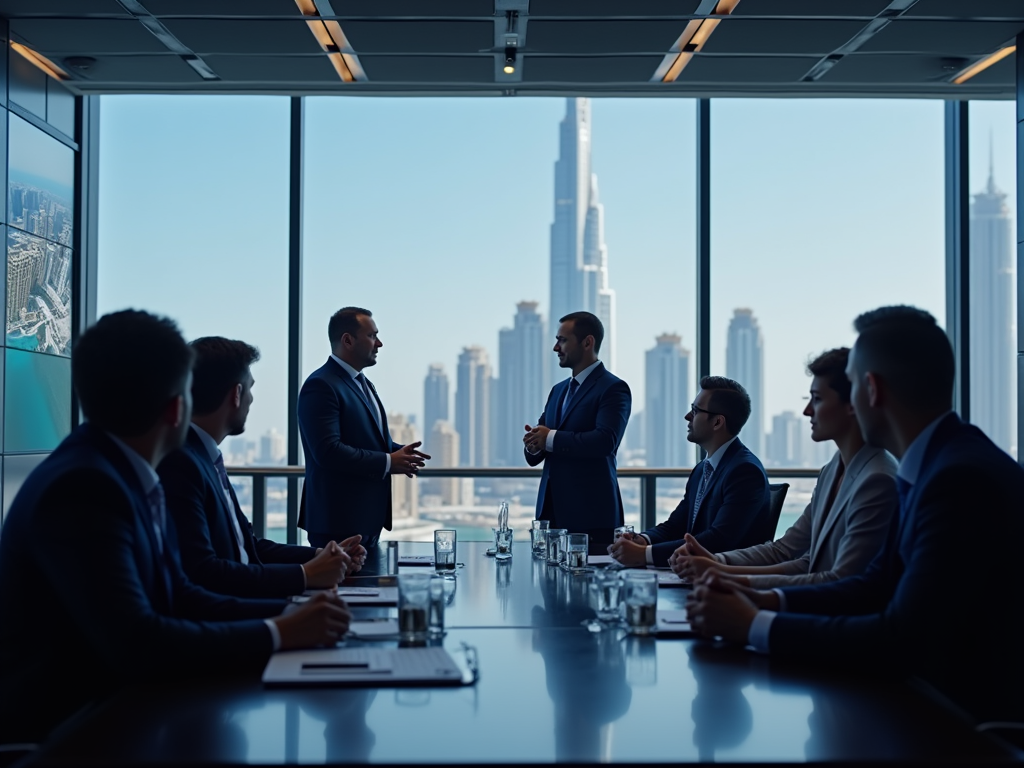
[649, 495]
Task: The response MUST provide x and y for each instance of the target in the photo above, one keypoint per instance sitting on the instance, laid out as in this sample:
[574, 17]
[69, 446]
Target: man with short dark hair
[92, 595]
[726, 502]
[578, 436]
[218, 549]
[350, 455]
[915, 610]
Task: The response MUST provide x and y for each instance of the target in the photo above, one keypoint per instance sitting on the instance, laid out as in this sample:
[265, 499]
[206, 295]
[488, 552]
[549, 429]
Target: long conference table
[549, 689]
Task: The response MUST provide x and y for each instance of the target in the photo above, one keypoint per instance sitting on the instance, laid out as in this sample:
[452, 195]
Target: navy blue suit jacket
[346, 491]
[579, 488]
[920, 609]
[88, 603]
[734, 513]
[206, 535]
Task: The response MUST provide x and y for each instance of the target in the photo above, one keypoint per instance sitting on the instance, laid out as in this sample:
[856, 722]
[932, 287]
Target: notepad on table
[674, 623]
[415, 559]
[363, 666]
[601, 560]
[669, 579]
[369, 595]
[373, 629]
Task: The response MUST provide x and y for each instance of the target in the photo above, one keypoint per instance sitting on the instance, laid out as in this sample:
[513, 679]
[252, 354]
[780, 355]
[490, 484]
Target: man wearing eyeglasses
[725, 505]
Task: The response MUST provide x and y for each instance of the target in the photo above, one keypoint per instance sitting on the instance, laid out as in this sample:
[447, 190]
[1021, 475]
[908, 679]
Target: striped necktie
[704, 482]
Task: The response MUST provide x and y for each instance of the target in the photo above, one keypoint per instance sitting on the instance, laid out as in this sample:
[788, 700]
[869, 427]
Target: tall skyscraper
[445, 440]
[744, 362]
[786, 445]
[404, 490]
[272, 447]
[473, 407]
[523, 356]
[993, 350]
[435, 402]
[667, 395]
[579, 256]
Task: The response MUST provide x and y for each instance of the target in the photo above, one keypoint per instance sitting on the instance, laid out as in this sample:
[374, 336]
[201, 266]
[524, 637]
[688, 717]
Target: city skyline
[744, 363]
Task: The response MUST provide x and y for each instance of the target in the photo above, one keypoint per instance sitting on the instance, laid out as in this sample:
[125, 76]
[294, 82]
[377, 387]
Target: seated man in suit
[914, 611]
[218, 549]
[845, 524]
[92, 595]
[350, 455]
[725, 505]
[578, 436]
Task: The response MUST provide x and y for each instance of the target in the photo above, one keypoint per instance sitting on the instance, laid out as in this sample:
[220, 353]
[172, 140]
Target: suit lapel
[585, 387]
[202, 457]
[354, 386]
[824, 524]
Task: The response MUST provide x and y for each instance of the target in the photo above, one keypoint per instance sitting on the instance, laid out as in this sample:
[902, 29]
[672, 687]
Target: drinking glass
[538, 537]
[554, 545]
[576, 552]
[444, 551]
[622, 530]
[502, 544]
[608, 594]
[435, 612]
[413, 599]
[641, 598]
[392, 563]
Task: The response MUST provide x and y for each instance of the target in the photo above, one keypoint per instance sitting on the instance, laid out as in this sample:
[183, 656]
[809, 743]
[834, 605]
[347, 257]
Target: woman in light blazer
[846, 522]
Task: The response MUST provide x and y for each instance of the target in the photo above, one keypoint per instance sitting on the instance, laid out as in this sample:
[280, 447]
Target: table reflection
[347, 737]
[722, 716]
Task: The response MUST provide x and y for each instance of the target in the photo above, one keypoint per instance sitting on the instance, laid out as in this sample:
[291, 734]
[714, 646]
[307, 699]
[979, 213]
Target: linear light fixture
[332, 40]
[983, 64]
[39, 61]
[694, 36]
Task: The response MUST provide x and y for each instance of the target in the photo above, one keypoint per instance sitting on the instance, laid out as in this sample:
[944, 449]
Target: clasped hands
[407, 460]
[720, 606]
[332, 563]
[536, 438]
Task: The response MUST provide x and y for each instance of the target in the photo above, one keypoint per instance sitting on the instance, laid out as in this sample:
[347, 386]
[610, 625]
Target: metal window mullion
[297, 119]
[958, 249]
[703, 174]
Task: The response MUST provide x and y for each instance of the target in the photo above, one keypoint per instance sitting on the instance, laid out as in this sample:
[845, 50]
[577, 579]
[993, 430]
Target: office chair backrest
[776, 498]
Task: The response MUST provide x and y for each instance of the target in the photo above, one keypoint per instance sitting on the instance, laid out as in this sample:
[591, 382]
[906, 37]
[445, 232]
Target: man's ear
[236, 395]
[873, 382]
[174, 411]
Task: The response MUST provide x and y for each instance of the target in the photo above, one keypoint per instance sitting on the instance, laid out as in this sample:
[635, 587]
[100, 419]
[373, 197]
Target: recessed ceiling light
[510, 61]
[983, 64]
[39, 61]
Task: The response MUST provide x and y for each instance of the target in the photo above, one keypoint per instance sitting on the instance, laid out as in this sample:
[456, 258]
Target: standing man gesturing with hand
[350, 455]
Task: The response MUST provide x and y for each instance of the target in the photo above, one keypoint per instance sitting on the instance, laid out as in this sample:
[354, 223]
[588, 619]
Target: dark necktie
[704, 482]
[368, 397]
[573, 386]
[235, 525]
[158, 512]
[903, 487]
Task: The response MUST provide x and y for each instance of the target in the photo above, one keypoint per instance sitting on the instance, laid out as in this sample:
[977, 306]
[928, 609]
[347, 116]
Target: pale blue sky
[435, 214]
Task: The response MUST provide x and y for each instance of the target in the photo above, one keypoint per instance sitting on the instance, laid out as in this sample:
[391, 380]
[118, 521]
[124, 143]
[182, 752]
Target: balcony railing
[648, 477]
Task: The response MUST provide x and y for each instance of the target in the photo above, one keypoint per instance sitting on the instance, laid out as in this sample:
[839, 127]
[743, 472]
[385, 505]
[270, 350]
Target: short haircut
[910, 352]
[345, 320]
[729, 399]
[221, 364]
[586, 324]
[831, 366]
[126, 368]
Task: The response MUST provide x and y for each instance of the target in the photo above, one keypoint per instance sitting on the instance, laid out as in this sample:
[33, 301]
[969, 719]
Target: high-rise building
[445, 440]
[786, 445]
[404, 490]
[20, 270]
[744, 362]
[579, 256]
[523, 356]
[473, 407]
[435, 402]
[667, 396]
[992, 346]
[272, 447]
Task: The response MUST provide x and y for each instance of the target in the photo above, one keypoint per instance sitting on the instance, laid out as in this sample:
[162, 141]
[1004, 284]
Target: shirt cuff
[649, 554]
[760, 629]
[305, 578]
[719, 557]
[549, 441]
[646, 537]
[275, 634]
[387, 464]
[782, 600]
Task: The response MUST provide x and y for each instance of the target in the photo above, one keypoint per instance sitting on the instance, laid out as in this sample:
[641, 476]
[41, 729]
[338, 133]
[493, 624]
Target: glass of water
[622, 530]
[608, 594]
[554, 545]
[538, 537]
[641, 598]
[576, 552]
[413, 600]
[502, 543]
[435, 606]
[444, 551]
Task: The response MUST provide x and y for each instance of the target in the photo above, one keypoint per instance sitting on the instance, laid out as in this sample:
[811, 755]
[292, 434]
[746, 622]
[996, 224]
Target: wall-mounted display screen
[40, 183]
[37, 401]
[38, 294]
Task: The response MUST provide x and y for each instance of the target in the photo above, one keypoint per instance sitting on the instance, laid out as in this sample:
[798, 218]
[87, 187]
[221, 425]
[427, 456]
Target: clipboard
[368, 666]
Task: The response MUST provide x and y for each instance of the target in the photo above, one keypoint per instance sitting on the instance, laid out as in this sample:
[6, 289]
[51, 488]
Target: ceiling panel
[164, 68]
[86, 36]
[243, 35]
[795, 36]
[747, 69]
[419, 36]
[222, 7]
[863, 8]
[384, 8]
[587, 36]
[966, 8]
[594, 8]
[590, 69]
[883, 68]
[273, 69]
[12, 8]
[429, 69]
[943, 37]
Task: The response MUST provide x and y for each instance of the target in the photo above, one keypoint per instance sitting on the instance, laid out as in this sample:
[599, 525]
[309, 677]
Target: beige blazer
[822, 547]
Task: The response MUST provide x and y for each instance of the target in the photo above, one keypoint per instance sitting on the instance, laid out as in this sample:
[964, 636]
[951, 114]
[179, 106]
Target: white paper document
[669, 579]
[415, 559]
[674, 622]
[601, 560]
[363, 666]
[369, 595]
[373, 629]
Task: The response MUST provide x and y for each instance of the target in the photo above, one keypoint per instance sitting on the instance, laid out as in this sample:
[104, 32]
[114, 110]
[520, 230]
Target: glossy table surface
[550, 689]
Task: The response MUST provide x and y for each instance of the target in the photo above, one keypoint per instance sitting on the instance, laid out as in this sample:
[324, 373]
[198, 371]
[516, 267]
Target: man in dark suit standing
[218, 549]
[726, 502]
[578, 436]
[350, 455]
[916, 610]
[92, 595]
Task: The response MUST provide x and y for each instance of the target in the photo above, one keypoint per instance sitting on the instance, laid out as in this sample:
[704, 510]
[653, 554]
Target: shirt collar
[348, 368]
[910, 464]
[208, 443]
[716, 457]
[147, 475]
[582, 375]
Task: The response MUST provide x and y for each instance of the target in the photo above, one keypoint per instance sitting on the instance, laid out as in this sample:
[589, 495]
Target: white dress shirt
[214, 452]
[373, 404]
[549, 442]
[909, 469]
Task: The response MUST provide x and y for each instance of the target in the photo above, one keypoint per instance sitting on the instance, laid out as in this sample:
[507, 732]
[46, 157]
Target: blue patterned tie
[573, 386]
[704, 482]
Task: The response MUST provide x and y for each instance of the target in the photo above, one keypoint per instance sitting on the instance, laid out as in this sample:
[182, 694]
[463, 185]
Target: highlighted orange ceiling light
[331, 39]
[983, 64]
[40, 61]
[694, 37]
